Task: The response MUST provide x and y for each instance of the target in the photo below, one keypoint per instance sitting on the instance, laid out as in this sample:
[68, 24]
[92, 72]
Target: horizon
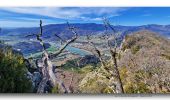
[81, 23]
[124, 16]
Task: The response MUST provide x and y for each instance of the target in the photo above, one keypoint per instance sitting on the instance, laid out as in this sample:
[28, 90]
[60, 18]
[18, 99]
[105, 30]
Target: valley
[78, 63]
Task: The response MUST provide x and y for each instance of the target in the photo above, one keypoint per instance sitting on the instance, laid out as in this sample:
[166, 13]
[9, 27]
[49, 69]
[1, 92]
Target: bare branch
[113, 53]
[108, 25]
[47, 68]
[72, 29]
[60, 38]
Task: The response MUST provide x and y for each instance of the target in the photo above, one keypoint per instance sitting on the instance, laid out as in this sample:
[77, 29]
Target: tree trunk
[47, 67]
[119, 87]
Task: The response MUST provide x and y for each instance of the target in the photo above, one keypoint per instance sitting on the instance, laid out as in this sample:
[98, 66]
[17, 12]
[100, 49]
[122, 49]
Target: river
[54, 47]
[73, 50]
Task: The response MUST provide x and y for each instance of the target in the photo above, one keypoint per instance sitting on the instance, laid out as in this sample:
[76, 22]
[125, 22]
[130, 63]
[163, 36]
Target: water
[74, 50]
[77, 51]
[54, 47]
[13, 40]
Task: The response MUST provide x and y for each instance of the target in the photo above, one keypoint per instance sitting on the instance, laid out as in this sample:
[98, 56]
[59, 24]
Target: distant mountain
[83, 29]
[0, 30]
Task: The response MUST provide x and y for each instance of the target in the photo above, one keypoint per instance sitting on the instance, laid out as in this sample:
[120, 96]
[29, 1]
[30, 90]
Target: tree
[45, 65]
[113, 52]
[13, 72]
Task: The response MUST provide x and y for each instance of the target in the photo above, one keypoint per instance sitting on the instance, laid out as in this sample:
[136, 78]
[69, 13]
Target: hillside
[147, 55]
[13, 71]
[144, 65]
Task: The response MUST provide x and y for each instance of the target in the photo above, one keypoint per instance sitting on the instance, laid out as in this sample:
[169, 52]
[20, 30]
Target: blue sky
[30, 16]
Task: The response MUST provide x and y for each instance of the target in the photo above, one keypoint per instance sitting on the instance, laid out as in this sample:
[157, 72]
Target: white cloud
[69, 13]
[97, 19]
[45, 11]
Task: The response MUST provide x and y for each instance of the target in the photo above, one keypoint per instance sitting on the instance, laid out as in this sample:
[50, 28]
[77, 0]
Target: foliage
[93, 84]
[107, 90]
[143, 68]
[87, 69]
[135, 49]
[71, 66]
[133, 81]
[166, 56]
[13, 71]
[55, 89]
[138, 87]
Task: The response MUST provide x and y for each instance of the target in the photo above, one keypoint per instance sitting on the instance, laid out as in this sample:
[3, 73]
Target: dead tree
[99, 55]
[113, 51]
[46, 66]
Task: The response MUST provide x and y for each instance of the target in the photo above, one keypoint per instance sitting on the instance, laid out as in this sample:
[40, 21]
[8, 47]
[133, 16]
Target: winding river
[54, 46]
[74, 50]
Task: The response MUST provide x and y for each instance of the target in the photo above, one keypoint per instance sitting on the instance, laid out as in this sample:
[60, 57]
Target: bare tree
[46, 66]
[113, 51]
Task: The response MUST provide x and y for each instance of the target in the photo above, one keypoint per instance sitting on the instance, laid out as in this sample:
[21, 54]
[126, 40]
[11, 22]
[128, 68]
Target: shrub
[92, 83]
[55, 89]
[166, 56]
[139, 87]
[87, 69]
[107, 90]
[135, 49]
[13, 71]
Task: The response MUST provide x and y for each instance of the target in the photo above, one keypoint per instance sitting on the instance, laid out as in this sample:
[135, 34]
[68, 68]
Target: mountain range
[84, 29]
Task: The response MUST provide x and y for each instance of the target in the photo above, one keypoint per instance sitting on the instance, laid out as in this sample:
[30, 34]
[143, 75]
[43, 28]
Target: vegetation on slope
[13, 71]
[143, 64]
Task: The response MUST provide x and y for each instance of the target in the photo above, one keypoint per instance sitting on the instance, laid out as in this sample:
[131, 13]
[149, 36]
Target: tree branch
[72, 29]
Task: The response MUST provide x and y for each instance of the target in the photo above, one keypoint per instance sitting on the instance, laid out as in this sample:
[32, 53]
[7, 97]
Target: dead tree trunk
[99, 55]
[117, 74]
[46, 65]
[113, 52]
[47, 68]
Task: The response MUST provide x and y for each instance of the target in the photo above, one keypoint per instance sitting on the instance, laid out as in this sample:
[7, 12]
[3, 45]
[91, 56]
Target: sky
[135, 16]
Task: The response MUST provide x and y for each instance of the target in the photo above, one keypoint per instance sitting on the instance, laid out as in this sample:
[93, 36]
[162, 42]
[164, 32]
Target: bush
[139, 87]
[55, 89]
[13, 71]
[135, 49]
[107, 90]
[87, 69]
[166, 56]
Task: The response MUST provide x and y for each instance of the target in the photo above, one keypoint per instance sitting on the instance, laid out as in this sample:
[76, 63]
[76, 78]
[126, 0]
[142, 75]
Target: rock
[37, 77]
[31, 65]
